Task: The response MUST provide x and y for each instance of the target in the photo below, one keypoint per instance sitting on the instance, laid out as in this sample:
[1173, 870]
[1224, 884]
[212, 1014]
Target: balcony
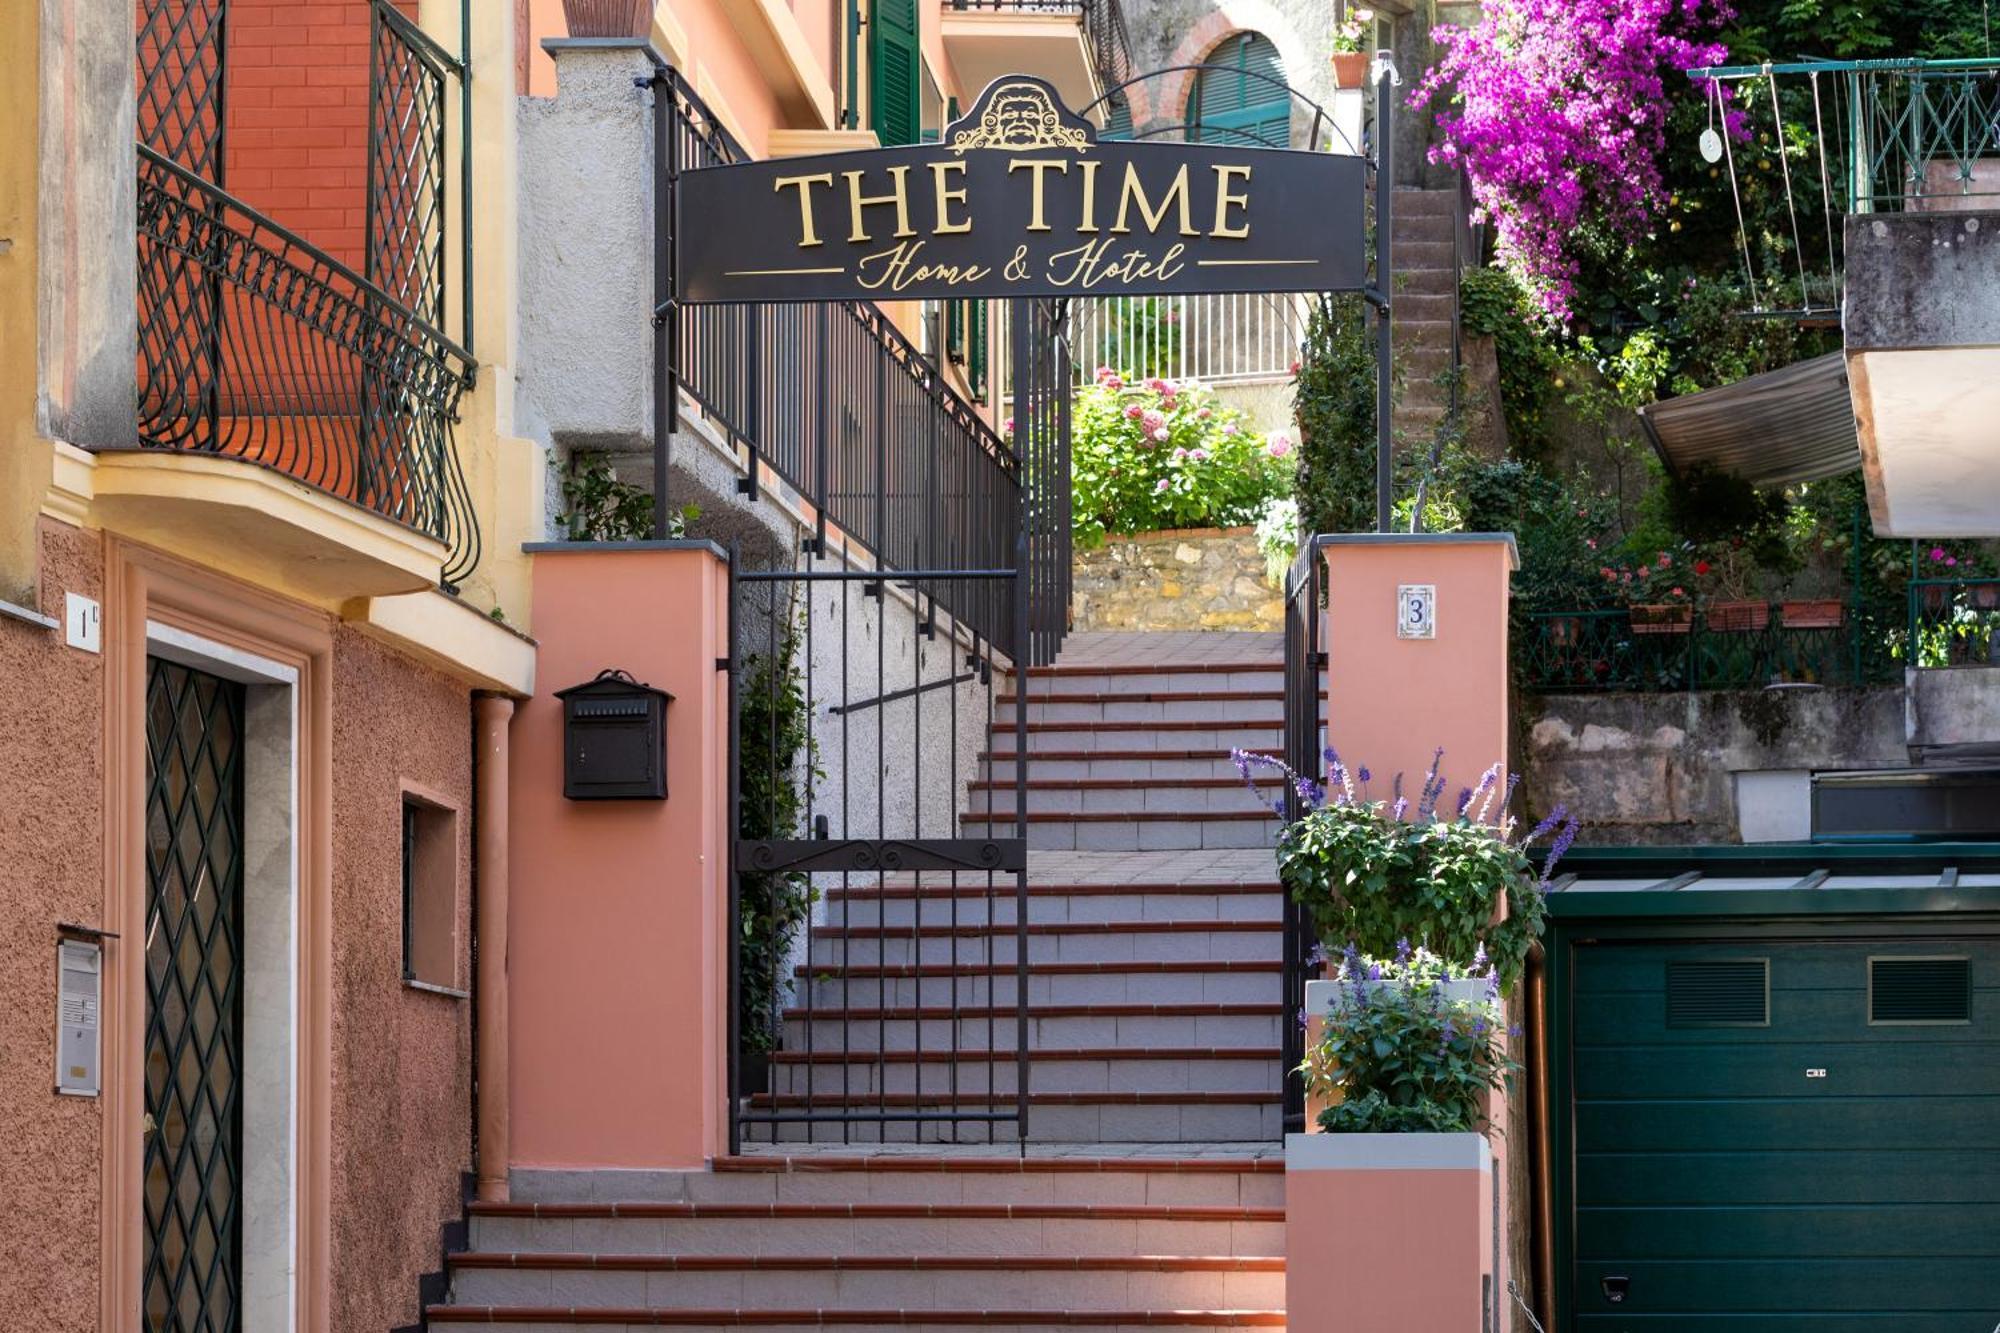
[1080, 46]
[296, 406]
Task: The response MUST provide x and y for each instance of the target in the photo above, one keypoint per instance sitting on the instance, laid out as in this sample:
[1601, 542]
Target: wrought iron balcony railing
[1740, 646]
[854, 417]
[257, 346]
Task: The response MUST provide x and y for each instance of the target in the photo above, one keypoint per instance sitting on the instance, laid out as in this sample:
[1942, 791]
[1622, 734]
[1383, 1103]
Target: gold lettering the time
[1128, 202]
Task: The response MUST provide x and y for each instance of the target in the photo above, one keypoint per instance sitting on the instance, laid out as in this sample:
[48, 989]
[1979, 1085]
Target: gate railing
[877, 444]
[1305, 697]
[1231, 338]
[257, 346]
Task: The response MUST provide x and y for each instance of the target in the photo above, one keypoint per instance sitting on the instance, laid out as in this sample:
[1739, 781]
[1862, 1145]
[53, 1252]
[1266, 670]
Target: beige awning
[1774, 429]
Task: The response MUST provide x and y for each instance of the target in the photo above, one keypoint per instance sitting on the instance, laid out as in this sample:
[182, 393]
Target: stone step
[1425, 231]
[927, 1282]
[1223, 734]
[959, 1178]
[1102, 1070]
[1184, 1117]
[897, 908]
[1417, 202]
[1414, 333]
[1131, 831]
[1105, 764]
[1414, 308]
[1165, 982]
[996, 1229]
[1063, 1027]
[535, 1319]
[1093, 942]
[1099, 678]
[1110, 795]
[1410, 254]
[1144, 705]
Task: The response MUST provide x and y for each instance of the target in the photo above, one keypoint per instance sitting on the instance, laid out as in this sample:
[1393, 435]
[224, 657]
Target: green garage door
[1795, 1136]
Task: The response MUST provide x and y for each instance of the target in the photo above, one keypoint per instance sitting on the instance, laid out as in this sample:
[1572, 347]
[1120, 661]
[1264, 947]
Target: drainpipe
[491, 714]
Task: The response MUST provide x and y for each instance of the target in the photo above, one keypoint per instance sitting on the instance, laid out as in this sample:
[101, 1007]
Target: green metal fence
[1954, 622]
[1818, 644]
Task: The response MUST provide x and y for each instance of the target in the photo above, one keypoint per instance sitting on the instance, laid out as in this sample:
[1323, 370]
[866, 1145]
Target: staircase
[910, 1241]
[1151, 1188]
[1423, 305]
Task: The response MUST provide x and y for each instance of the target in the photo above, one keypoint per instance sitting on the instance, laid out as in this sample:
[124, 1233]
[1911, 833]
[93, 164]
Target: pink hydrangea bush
[1153, 453]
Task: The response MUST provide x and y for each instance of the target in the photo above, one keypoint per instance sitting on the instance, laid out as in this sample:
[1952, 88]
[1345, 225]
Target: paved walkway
[1133, 648]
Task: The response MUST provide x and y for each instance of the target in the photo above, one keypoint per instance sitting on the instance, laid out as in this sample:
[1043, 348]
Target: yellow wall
[24, 455]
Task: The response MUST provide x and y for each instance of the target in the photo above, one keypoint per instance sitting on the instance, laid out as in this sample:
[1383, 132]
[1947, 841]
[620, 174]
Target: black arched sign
[1020, 199]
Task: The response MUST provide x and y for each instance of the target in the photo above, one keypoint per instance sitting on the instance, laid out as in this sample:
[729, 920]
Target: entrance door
[193, 1186]
[1787, 1135]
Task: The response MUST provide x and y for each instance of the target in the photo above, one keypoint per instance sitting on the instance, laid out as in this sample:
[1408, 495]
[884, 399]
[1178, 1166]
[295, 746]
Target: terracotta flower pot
[1350, 69]
[608, 18]
[1563, 630]
[1986, 596]
[1661, 618]
[1738, 617]
[1815, 613]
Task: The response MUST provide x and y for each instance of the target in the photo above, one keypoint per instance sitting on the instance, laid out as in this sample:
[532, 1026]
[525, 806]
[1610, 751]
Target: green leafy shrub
[1376, 874]
[1333, 398]
[776, 763]
[1404, 1052]
[1561, 534]
[1159, 454]
[1140, 337]
[1493, 304]
[597, 507]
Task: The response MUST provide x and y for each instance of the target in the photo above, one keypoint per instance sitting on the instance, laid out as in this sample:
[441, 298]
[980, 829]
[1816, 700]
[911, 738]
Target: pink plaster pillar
[1391, 699]
[617, 909]
[1388, 1233]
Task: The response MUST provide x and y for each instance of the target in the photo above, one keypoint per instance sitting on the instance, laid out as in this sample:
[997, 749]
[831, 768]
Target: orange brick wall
[297, 104]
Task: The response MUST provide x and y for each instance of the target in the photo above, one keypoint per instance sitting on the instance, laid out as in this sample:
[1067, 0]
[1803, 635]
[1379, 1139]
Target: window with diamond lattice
[192, 1181]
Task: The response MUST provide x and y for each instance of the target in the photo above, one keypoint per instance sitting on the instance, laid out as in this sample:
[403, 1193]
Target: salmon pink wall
[616, 965]
[297, 106]
[1391, 702]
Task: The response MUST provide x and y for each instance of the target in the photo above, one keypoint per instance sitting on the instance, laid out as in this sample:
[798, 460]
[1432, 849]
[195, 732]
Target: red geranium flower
[1701, 566]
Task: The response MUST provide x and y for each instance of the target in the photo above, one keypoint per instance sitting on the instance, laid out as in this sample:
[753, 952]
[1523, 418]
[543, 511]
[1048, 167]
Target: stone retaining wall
[1187, 578]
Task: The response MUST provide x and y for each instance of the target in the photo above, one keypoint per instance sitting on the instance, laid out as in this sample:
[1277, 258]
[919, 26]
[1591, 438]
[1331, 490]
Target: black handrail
[835, 400]
[256, 345]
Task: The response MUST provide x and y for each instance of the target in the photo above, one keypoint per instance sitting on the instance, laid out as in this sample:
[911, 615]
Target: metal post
[1385, 193]
[464, 174]
[666, 317]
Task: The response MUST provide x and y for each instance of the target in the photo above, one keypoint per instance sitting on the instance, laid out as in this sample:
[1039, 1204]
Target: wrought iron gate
[879, 984]
[193, 1174]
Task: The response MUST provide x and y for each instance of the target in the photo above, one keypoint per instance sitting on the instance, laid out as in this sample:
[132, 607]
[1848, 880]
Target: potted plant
[1409, 1048]
[1728, 573]
[1350, 55]
[1655, 594]
[608, 18]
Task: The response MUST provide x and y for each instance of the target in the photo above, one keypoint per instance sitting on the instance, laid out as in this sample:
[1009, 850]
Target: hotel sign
[1020, 199]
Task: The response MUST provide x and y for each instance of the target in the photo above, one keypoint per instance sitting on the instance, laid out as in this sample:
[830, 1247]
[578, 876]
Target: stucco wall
[401, 1058]
[51, 870]
[1661, 768]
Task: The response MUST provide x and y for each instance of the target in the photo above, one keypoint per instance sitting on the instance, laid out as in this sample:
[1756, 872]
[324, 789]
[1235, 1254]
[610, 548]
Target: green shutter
[1118, 123]
[894, 72]
[975, 356]
[1240, 96]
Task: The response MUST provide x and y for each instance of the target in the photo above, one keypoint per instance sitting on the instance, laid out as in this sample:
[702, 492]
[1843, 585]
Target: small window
[430, 894]
[1723, 993]
[1911, 992]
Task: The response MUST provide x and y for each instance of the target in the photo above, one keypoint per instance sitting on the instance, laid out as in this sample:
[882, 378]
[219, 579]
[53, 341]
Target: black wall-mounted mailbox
[614, 739]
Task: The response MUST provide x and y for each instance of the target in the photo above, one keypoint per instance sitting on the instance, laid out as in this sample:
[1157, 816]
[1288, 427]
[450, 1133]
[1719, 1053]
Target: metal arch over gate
[938, 563]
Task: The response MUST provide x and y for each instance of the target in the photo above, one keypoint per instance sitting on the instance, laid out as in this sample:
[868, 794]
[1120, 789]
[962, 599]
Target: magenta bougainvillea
[1557, 111]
